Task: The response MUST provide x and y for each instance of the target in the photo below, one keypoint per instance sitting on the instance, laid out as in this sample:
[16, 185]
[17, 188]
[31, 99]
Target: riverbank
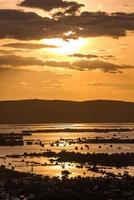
[104, 159]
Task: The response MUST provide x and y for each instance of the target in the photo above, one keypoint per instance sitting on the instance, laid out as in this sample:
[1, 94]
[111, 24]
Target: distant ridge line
[62, 100]
[65, 111]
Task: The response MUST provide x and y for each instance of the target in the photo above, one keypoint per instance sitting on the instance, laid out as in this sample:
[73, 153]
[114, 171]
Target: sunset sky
[73, 50]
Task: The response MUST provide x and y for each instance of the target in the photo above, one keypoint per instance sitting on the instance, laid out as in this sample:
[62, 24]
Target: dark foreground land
[16, 185]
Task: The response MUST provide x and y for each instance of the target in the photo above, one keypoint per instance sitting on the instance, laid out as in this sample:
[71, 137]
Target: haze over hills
[46, 111]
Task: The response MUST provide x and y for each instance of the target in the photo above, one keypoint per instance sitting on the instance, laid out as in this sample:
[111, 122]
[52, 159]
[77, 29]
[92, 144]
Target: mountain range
[62, 111]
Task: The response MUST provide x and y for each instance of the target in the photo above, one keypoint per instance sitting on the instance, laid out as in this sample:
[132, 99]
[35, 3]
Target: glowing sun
[65, 47]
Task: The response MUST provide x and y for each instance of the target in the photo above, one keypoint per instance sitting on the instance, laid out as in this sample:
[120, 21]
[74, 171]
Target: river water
[44, 166]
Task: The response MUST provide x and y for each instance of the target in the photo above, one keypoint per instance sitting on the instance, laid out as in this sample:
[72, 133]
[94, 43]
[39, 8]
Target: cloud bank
[30, 26]
[81, 65]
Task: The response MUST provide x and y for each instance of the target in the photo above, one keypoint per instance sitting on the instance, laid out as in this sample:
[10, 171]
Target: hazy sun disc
[65, 47]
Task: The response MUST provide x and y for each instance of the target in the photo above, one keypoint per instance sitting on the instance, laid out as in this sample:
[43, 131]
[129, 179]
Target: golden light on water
[65, 47]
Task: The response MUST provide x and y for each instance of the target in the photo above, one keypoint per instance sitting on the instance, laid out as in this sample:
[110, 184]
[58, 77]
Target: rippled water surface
[44, 166]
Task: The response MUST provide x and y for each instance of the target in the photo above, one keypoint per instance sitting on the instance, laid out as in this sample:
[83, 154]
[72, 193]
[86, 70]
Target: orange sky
[65, 50]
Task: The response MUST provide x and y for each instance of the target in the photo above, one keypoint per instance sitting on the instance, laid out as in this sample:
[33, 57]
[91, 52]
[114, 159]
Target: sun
[65, 47]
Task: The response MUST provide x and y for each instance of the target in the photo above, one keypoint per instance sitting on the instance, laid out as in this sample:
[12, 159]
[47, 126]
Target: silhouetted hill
[41, 111]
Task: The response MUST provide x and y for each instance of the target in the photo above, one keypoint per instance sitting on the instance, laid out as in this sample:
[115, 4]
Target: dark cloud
[100, 24]
[61, 64]
[108, 57]
[88, 56]
[81, 65]
[28, 25]
[87, 65]
[4, 51]
[92, 56]
[48, 5]
[29, 46]
[84, 65]
[23, 25]
[17, 61]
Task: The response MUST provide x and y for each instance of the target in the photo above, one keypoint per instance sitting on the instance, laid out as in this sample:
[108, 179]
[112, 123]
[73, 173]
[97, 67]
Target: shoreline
[114, 160]
[33, 187]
